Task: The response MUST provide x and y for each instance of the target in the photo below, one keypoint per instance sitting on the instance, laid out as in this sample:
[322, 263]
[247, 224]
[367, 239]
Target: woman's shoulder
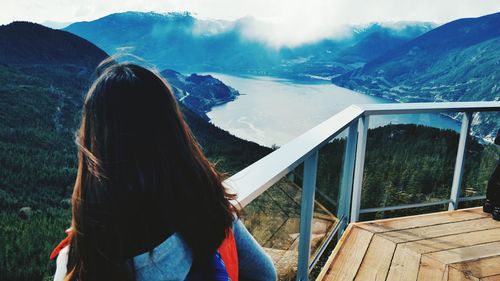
[171, 260]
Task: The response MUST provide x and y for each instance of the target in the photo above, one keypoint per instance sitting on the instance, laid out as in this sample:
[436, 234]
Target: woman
[147, 204]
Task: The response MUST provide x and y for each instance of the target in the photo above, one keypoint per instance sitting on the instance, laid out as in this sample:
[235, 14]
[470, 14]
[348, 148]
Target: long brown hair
[141, 177]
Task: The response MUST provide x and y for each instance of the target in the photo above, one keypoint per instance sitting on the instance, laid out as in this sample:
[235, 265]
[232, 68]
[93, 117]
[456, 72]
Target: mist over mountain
[55, 24]
[458, 61]
[182, 42]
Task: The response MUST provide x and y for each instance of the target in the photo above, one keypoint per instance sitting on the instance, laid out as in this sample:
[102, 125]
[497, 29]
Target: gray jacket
[172, 259]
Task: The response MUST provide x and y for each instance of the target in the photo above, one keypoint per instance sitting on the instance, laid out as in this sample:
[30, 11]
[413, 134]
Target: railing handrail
[429, 107]
[258, 177]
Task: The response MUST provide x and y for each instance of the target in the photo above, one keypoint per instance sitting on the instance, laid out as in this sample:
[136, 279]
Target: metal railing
[258, 177]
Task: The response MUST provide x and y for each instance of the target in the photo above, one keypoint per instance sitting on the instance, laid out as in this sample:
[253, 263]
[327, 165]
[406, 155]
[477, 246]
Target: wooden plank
[404, 265]
[423, 220]
[434, 266]
[427, 232]
[334, 253]
[406, 260]
[432, 270]
[491, 278]
[454, 241]
[376, 263]
[457, 275]
[466, 253]
[346, 262]
[479, 268]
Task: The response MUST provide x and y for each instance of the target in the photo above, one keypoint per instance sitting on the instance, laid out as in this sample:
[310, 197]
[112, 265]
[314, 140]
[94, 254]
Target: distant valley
[404, 62]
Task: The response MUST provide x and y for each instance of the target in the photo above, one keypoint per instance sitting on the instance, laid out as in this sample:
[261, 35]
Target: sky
[291, 21]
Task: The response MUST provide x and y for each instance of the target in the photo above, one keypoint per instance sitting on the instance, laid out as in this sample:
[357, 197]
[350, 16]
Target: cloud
[288, 33]
[212, 27]
[276, 23]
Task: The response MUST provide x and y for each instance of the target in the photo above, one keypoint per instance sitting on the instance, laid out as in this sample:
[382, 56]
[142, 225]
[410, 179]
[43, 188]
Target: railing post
[359, 167]
[306, 215]
[459, 164]
[347, 176]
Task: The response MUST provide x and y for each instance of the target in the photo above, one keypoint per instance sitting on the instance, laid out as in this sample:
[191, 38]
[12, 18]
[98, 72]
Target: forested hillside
[409, 164]
[41, 89]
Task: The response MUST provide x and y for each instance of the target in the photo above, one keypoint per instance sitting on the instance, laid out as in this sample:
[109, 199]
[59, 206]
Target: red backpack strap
[229, 255]
[61, 245]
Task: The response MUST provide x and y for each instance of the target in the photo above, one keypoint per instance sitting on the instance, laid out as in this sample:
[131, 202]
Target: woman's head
[141, 177]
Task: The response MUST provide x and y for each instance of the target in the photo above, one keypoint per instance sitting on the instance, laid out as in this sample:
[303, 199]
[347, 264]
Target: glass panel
[436, 120]
[409, 163]
[325, 218]
[273, 218]
[481, 158]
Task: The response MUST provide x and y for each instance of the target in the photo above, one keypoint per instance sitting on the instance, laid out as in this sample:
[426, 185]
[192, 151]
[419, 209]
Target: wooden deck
[455, 245]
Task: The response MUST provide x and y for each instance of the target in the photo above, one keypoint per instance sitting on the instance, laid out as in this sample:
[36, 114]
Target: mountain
[174, 40]
[44, 66]
[375, 39]
[459, 61]
[182, 42]
[199, 92]
[52, 48]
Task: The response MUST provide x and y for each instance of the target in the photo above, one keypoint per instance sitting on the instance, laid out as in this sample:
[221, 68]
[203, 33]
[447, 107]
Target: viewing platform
[453, 245]
[300, 231]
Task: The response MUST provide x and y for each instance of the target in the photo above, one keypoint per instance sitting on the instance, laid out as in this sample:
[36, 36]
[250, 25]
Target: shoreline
[450, 122]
